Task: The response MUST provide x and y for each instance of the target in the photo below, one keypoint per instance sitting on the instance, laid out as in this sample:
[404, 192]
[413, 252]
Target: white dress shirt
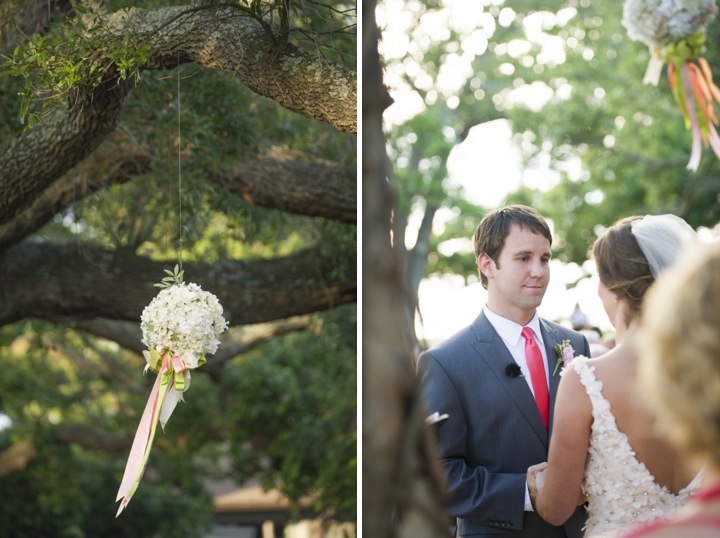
[511, 334]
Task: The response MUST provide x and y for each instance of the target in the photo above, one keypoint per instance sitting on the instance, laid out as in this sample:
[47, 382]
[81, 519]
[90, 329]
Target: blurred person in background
[679, 376]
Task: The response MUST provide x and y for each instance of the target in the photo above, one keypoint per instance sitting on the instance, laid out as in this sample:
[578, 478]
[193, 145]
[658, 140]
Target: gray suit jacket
[494, 431]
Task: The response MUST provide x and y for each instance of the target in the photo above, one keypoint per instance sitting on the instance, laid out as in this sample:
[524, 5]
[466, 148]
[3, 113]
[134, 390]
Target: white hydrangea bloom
[661, 22]
[183, 319]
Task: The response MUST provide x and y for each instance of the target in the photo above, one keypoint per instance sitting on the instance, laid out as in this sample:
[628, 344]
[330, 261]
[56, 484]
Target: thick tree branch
[16, 457]
[243, 339]
[112, 443]
[120, 167]
[126, 334]
[282, 178]
[295, 182]
[229, 41]
[19, 455]
[237, 340]
[43, 154]
[297, 80]
[46, 281]
[92, 439]
[110, 369]
[418, 258]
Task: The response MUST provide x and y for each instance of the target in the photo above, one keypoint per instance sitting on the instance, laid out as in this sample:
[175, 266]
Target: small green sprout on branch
[174, 278]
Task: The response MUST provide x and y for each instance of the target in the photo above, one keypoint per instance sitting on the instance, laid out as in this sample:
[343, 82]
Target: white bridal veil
[661, 238]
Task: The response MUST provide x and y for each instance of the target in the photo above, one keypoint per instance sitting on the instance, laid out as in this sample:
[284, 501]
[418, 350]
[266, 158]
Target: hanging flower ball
[659, 23]
[675, 32]
[179, 326]
[183, 319]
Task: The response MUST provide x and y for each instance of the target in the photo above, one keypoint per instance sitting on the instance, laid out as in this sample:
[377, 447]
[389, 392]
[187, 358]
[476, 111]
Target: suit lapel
[550, 339]
[492, 349]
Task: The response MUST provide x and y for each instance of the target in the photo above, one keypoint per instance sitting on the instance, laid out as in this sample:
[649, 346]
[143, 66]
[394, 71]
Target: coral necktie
[536, 365]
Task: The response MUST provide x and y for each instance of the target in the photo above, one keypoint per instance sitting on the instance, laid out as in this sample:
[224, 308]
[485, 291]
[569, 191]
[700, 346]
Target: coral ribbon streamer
[697, 91]
[696, 88]
[696, 152]
[171, 370]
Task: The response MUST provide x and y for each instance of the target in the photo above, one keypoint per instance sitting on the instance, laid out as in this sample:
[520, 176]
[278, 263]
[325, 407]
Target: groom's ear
[486, 265]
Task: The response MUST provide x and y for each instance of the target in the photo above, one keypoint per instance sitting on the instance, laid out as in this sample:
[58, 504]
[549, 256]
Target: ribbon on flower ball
[173, 378]
[180, 325]
[675, 33]
[694, 91]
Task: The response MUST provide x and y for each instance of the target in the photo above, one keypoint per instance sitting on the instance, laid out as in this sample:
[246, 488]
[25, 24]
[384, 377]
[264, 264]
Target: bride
[603, 438]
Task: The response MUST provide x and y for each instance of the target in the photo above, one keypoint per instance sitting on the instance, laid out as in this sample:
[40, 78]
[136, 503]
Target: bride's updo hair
[679, 371]
[622, 267]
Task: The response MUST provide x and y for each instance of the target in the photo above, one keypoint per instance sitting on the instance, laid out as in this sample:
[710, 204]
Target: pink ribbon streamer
[137, 460]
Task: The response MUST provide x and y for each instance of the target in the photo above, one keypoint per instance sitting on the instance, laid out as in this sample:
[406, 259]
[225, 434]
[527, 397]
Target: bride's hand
[540, 479]
[531, 482]
[535, 469]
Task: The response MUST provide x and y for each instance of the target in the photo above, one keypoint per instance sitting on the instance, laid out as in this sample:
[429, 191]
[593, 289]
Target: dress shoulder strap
[593, 387]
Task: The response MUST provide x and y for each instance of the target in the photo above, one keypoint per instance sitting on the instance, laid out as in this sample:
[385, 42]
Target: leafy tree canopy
[570, 81]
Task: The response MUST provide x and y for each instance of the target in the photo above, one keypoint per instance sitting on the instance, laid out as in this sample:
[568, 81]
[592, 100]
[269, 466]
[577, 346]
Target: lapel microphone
[513, 370]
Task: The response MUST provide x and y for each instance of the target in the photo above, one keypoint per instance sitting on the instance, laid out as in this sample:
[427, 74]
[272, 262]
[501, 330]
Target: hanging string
[180, 227]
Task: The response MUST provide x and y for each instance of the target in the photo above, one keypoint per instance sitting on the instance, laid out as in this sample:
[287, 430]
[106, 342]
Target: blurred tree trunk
[401, 478]
[412, 266]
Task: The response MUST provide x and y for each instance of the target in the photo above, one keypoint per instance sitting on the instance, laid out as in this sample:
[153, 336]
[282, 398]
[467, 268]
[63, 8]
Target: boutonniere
[565, 354]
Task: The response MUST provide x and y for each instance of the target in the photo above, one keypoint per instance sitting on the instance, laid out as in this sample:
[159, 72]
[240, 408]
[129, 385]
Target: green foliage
[68, 493]
[630, 138]
[222, 123]
[77, 53]
[55, 378]
[71, 56]
[288, 408]
[174, 278]
[303, 438]
[619, 147]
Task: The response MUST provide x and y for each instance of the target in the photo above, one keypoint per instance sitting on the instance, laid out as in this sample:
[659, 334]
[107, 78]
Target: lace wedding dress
[619, 489]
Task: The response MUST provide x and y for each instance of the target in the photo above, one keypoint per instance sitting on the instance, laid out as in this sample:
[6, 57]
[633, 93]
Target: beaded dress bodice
[620, 490]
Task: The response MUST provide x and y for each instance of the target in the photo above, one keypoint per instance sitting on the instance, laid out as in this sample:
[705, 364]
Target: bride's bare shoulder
[617, 358]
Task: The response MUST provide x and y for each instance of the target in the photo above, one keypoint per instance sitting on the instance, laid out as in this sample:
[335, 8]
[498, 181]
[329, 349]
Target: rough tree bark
[121, 167]
[295, 182]
[239, 339]
[284, 179]
[226, 41]
[399, 467]
[45, 281]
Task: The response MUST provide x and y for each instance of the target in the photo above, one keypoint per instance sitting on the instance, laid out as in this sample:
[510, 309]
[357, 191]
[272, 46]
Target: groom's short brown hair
[495, 226]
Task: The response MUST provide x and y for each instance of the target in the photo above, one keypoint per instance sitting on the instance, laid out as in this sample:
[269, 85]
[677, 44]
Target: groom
[495, 382]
